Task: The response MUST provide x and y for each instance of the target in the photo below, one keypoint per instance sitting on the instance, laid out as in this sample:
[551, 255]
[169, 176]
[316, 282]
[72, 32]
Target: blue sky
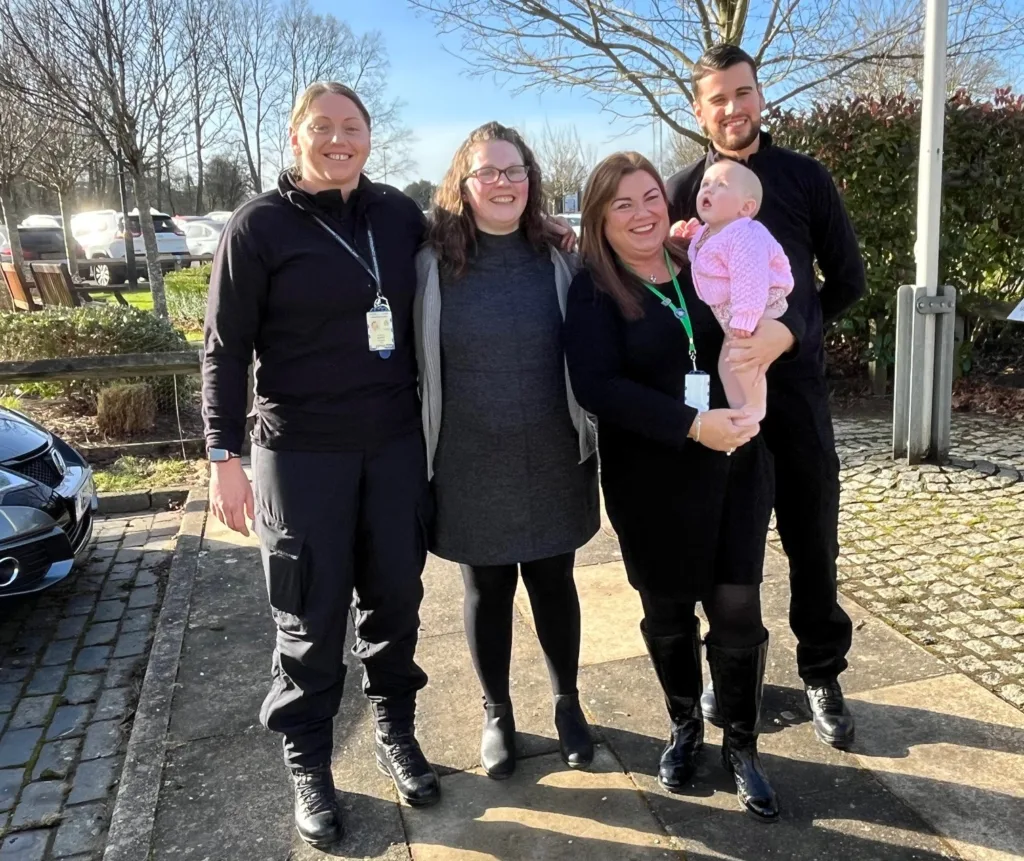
[443, 104]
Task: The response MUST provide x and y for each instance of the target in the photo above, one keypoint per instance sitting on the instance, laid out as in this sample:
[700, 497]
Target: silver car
[203, 236]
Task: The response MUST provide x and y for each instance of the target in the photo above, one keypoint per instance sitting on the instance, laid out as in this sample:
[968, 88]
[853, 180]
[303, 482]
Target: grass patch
[10, 402]
[144, 473]
[143, 299]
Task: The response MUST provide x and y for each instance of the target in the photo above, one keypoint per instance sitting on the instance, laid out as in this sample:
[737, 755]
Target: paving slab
[545, 812]
[955, 753]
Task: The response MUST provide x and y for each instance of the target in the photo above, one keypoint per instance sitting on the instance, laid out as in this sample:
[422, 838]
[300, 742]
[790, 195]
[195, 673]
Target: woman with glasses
[509, 450]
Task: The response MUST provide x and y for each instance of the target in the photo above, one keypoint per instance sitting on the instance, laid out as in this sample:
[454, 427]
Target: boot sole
[325, 843]
[836, 743]
[383, 769]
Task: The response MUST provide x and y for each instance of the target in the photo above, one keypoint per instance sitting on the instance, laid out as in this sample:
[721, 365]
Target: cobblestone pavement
[71, 664]
[938, 552]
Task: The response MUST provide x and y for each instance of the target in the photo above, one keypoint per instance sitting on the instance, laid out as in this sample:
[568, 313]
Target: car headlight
[12, 481]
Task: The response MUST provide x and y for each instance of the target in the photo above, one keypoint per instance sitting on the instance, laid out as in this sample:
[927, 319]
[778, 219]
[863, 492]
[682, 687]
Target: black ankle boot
[498, 741]
[574, 741]
[317, 816]
[738, 676]
[676, 660]
[833, 723]
[400, 758]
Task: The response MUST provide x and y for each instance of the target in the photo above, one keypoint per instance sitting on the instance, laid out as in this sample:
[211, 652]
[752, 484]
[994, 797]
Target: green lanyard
[680, 312]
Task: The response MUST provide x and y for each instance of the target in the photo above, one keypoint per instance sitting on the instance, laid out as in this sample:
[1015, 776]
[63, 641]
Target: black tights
[734, 616]
[488, 617]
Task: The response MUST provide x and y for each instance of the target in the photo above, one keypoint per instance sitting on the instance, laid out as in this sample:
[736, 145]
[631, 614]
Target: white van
[102, 234]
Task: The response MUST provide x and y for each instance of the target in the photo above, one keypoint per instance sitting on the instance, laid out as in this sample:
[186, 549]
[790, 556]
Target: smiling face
[728, 106]
[497, 206]
[332, 143]
[636, 221]
[727, 192]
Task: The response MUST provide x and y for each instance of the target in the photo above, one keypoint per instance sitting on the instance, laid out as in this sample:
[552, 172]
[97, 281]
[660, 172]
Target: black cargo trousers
[798, 432]
[341, 531]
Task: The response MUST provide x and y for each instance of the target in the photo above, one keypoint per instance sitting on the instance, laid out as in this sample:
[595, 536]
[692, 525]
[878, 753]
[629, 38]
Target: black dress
[688, 518]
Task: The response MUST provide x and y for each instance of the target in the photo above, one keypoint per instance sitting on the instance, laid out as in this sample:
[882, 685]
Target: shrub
[187, 290]
[871, 148]
[55, 333]
[124, 410]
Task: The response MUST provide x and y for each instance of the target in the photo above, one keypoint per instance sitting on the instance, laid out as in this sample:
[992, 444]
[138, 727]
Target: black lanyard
[374, 273]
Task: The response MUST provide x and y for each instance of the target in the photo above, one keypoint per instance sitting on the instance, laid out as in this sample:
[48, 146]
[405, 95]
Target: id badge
[380, 330]
[697, 394]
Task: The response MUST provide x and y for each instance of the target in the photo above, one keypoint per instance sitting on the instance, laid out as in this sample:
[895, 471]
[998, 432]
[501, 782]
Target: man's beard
[723, 142]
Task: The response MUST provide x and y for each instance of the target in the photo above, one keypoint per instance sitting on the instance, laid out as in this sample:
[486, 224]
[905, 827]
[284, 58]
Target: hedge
[186, 296]
[95, 330]
[871, 148]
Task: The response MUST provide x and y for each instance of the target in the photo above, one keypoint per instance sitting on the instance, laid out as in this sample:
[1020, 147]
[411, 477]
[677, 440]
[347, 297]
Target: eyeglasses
[489, 175]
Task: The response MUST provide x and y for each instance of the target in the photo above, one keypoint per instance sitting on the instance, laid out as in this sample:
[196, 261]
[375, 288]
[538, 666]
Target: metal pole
[129, 237]
[926, 248]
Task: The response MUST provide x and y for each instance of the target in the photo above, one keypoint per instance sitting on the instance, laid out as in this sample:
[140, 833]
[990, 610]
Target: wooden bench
[21, 298]
[53, 281]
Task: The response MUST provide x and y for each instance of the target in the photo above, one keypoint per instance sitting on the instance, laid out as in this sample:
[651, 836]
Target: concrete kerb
[141, 500]
[131, 824]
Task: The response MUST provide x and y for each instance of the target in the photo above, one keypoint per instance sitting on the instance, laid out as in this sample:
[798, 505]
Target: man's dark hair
[718, 58]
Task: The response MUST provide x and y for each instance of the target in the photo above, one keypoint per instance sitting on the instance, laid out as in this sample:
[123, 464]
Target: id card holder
[380, 330]
[697, 393]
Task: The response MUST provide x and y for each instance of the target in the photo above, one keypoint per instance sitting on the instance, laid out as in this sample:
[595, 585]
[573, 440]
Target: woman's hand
[685, 230]
[231, 495]
[720, 431]
[770, 340]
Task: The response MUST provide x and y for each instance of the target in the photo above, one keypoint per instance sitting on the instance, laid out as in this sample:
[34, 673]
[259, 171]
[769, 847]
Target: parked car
[47, 505]
[3, 234]
[218, 215]
[103, 233]
[41, 243]
[43, 221]
[203, 236]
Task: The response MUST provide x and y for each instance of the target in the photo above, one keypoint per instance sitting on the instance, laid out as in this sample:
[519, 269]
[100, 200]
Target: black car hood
[20, 436]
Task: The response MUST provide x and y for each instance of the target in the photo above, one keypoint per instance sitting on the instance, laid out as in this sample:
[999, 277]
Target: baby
[738, 269]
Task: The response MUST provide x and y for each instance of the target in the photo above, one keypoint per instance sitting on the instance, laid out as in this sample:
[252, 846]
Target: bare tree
[62, 156]
[635, 58]
[565, 163]
[249, 47]
[107, 66]
[227, 182]
[683, 150]
[19, 133]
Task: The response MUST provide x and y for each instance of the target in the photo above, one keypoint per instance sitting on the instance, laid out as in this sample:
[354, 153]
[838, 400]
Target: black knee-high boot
[676, 660]
[738, 676]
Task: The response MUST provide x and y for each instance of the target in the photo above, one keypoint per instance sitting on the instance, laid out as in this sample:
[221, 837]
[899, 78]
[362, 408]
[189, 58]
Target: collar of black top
[714, 155]
[330, 202]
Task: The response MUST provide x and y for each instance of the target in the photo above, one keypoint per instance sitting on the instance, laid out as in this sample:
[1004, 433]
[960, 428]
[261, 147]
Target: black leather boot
[317, 815]
[574, 741]
[676, 660]
[498, 741]
[833, 723]
[738, 676]
[400, 758]
[709, 707]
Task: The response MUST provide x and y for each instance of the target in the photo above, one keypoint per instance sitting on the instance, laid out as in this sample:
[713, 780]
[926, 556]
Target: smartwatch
[220, 455]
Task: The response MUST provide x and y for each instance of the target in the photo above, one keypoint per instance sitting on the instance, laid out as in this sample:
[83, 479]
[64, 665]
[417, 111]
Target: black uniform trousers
[798, 432]
[341, 531]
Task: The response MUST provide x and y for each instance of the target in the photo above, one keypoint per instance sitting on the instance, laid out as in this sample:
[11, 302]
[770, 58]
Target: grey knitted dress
[508, 484]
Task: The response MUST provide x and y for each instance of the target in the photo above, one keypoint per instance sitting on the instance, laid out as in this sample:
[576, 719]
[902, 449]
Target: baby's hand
[739, 333]
[685, 229]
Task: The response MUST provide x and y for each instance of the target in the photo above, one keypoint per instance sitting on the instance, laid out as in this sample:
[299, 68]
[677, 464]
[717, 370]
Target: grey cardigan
[427, 322]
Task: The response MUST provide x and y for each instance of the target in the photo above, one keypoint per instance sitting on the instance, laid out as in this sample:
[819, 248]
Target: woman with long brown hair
[687, 488]
[509, 450]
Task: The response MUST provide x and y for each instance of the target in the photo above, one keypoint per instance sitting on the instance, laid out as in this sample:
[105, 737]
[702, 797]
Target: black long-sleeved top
[804, 212]
[284, 289]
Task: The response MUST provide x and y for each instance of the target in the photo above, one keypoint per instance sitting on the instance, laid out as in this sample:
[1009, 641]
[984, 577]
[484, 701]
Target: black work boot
[400, 758]
[676, 660]
[738, 676]
[498, 741]
[833, 723]
[574, 741]
[317, 815]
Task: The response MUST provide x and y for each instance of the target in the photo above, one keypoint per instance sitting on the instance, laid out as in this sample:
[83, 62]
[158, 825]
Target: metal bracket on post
[923, 387]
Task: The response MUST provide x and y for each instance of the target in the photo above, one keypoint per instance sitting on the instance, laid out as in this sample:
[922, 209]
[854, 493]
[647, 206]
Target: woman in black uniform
[688, 491]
